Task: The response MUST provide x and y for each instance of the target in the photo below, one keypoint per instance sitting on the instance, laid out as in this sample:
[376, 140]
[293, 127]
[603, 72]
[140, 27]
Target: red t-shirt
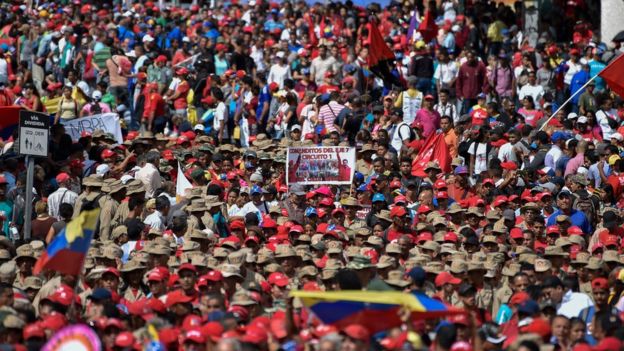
[183, 88]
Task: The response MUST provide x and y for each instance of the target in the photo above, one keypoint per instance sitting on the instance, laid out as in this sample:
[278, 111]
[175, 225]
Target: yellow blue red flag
[68, 250]
[368, 308]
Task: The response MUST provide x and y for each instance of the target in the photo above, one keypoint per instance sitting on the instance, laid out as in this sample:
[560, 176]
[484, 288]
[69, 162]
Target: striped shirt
[100, 57]
[62, 195]
[328, 114]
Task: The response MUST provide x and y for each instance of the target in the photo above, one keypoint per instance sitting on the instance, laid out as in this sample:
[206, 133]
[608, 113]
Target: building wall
[611, 22]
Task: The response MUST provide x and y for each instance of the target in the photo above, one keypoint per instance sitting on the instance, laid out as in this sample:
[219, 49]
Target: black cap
[466, 289]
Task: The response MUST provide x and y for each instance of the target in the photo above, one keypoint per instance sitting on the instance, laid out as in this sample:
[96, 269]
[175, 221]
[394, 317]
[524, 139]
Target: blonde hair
[41, 207]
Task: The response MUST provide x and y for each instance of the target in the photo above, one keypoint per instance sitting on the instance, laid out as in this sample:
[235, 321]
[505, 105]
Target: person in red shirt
[154, 109]
[179, 95]
[328, 84]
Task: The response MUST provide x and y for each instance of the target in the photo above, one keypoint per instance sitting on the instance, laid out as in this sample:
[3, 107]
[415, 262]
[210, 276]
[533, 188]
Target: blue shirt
[577, 218]
[264, 96]
[594, 68]
[578, 80]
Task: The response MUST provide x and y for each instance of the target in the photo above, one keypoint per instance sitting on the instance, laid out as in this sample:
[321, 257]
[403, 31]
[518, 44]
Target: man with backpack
[400, 132]
[95, 107]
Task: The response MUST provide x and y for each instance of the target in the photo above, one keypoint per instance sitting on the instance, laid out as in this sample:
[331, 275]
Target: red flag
[614, 75]
[427, 28]
[378, 48]
[435, 148]
[311, 35]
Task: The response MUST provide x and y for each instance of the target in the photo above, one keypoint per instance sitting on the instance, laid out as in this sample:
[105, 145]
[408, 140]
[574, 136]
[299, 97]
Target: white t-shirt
[400, 134]
[221, 114]
[446, 72]
[535, 91]
[278, 73]
[307, 112]
[480, 152]
[603, 121]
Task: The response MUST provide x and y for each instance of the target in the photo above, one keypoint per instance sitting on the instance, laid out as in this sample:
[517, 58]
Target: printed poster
[320, 165]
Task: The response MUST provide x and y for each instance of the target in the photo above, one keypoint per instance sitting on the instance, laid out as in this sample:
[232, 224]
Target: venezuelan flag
[67, 252]
[376, 310]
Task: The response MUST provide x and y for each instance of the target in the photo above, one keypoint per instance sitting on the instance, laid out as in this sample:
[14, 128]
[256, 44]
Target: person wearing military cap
[363, 268]
[92, 192]
[25, 260]
[134, 203]
[116, 194]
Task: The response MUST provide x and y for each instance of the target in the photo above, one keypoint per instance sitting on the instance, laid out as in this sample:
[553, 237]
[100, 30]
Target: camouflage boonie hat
[360, 262]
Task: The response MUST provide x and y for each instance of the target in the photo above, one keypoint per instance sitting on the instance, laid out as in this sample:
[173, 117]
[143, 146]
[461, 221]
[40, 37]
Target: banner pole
[567, 101]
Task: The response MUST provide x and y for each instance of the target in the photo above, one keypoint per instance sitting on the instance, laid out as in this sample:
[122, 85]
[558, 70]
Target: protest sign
[320, 165]
[108, 122]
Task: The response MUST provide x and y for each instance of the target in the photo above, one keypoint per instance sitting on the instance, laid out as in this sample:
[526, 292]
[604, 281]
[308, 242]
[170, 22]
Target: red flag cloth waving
[614, 75]
[435, 149]
[428, 28]
[378, 48]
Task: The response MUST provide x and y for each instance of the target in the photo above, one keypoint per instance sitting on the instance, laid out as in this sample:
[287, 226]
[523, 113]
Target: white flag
[182, 183]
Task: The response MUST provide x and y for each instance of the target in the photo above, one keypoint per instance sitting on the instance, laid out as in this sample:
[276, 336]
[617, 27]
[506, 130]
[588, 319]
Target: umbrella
[376, 310]
[618, 38]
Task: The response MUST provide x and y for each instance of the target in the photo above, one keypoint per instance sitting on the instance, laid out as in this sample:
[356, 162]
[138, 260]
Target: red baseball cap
[33, 331]
[552, 229]
[509, 165]
[446, 278]
[107, 154]
[488, 181]
[442, 195]
[213, 276]
[574, 230]
[155, 276]
[516, 233]
[237, 225]
[423, 209]
[450, 236]
[519, 298]
[279, 279]
[213, 330]
[188, 267]
[124, 339]
[62, 177]
[440, 184]
[600, 283]
[397, 211]
[400, 199]
[195, 335]
[178, 296]
[255, 335]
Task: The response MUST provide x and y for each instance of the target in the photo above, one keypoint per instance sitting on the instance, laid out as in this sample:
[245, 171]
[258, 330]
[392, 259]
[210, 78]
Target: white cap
[456, 28]
[280, 54]
[252, 2]
[199, 126]
[97, 95]
[102, 169]
[582, 170]
[617, 136]
[582, 119]
[84, 87]
[572, 115]
[186, 40]
[295, 126]
[147, 38]
[126, 178]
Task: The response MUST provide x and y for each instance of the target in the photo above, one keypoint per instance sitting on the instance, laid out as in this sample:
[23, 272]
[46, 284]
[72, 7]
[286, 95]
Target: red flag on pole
[614, 75]
[378, 48]
[428, 28]
[435, 149]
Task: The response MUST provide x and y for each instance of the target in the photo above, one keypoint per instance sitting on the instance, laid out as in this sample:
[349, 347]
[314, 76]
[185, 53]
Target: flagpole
[569, 99]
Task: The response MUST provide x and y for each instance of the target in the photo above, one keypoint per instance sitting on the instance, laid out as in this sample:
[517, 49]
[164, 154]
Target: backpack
[586, 205]
[412, 133]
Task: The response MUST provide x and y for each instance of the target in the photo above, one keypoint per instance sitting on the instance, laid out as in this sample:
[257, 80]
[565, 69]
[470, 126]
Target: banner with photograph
[108, 122]
[320, 165]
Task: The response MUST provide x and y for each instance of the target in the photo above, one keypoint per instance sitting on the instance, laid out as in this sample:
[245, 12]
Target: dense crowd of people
[519, 223]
